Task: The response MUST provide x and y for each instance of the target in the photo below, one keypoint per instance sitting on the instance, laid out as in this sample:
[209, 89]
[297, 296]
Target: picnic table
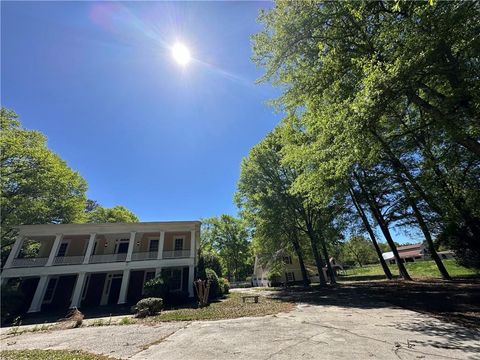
[254, 297]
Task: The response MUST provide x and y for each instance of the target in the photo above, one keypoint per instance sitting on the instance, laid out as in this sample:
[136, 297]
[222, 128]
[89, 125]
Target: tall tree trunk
[316, 255]
[369, 229]
[384, 227]
[423, 226]
[327, 257]
[472, 223]
[298, 251]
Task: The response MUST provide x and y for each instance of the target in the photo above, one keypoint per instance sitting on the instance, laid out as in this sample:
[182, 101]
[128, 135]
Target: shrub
[12, 303]
[224, 285]
[214, 262]
[215, 290]
[148, 307]
[177, 297]
[156, 288]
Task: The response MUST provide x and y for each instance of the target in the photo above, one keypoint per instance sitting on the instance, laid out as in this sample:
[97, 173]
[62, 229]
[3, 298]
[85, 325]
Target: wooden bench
[254, 297]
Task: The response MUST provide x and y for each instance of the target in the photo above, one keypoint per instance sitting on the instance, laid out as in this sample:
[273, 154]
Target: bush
[148, 307]
[224, 285]
[215, 290]
[177, 297]
[12, 303]
[156, 288]
[214, 262]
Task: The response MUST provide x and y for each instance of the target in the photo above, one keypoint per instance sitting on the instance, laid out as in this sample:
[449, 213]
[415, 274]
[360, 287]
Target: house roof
[409, 247]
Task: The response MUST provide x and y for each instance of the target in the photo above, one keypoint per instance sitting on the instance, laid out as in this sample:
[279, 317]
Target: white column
[190, 280]
[158, 272]
[122, 298]
[17, 246]
[192, 244]
[131, 244]
[77, 292]
[37, 300]
[88, 253]
[160, 245]
[53, 252]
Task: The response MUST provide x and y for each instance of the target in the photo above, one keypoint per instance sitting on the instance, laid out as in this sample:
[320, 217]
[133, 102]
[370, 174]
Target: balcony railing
[68, 260]
[148, 255]
[29, 262]
[108, 258]
[176, 254]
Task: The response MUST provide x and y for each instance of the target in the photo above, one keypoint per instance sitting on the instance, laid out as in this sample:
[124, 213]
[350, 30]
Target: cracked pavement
[308, 332]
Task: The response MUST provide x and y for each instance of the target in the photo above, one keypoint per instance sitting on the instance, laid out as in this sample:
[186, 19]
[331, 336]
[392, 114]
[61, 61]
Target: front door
[114, 291]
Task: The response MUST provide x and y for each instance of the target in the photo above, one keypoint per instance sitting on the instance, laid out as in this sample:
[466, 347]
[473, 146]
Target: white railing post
[77, 293]
[131, 244]
[160, 245]
[17, 246]
[192, 243]
[53, 252]
[88, 253]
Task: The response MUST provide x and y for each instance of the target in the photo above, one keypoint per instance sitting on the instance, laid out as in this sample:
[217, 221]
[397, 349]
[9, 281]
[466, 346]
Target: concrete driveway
[308, 332]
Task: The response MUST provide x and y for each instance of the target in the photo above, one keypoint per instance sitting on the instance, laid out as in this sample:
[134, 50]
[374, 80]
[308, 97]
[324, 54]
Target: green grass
[420, 269]
[229, 308]
[50, 355]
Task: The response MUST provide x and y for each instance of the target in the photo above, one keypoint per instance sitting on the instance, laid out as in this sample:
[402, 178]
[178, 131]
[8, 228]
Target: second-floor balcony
[61, 250]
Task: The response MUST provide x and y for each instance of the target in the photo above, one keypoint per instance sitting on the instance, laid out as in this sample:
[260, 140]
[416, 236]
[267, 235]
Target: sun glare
[181, 54]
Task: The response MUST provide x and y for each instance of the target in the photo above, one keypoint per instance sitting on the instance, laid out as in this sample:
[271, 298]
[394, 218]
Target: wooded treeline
[382, 128]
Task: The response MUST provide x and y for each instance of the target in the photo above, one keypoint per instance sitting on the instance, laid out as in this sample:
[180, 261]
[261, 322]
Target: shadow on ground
[455, 301]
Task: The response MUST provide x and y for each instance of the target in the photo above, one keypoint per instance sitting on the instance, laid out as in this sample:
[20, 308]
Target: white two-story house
[79, 265]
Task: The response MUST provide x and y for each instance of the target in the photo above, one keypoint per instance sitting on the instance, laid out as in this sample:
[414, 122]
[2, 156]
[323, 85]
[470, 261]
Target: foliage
[37, 185]
[148, 307]
[229, 237]
[213, 261]
[216, 290]
[382, 100]
[224, 285]
[156, 288]
[116, 214]
[12, 302]
[358, 250]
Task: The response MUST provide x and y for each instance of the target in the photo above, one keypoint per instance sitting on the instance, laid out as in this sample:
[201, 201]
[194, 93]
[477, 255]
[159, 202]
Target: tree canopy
[382, 99]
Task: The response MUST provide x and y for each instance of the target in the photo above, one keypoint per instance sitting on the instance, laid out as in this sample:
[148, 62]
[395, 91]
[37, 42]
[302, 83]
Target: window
[178, 244]
[50, 291]
[153, 247]
[62, 250]
[287, 259]
[290, 276]
[122, 247]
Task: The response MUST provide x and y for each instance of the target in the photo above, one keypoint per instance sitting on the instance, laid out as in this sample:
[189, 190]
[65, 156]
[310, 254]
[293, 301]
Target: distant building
[291, 273]
[408, 253]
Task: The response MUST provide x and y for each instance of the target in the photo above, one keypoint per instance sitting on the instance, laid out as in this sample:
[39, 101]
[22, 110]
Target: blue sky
[99, 80]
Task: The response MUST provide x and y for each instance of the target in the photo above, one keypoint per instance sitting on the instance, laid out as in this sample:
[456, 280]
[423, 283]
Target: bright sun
[181, 54]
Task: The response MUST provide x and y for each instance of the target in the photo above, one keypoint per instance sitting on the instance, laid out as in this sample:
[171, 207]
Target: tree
[116, 214]
[230, 238]
[37, 186]
[390, 87]
[278, 214]
[359, 250]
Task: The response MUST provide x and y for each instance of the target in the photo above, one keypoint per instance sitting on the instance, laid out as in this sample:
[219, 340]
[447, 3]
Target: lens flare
[181, 54]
